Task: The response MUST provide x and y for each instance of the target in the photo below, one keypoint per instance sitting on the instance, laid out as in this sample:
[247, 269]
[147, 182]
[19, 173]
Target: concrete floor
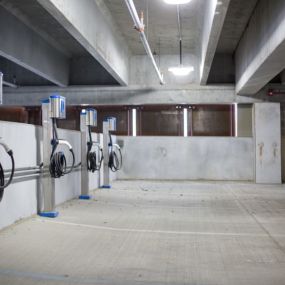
[154, 233]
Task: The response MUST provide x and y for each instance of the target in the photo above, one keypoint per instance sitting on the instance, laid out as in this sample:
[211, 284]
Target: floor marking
[65, 279]
[43, 276]
[94, 227]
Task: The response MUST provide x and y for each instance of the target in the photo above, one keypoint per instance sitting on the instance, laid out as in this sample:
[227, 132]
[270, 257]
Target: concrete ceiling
[162, 29]
[82, 71]
[237, 18]
[38, 19]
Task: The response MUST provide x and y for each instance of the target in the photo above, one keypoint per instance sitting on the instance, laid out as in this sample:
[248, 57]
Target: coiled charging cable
[115, 157]
[2, 174]
[92, 163]
[58, 165]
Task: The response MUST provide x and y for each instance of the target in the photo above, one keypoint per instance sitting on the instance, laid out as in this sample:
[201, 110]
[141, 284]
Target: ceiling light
[181, 70]
[177, 2]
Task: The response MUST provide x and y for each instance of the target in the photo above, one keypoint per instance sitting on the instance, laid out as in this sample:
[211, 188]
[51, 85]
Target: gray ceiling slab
[37, 18]
[162, 29]
[46, 27]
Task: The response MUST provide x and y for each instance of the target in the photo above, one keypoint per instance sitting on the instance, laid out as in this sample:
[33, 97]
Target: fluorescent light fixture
[177, 2]
[185, 122]
[134, 122]
[181, 70]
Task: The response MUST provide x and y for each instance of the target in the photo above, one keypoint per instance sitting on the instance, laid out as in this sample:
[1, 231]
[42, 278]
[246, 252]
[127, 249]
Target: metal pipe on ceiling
[4, 83]
[9, 84]
[140, 28]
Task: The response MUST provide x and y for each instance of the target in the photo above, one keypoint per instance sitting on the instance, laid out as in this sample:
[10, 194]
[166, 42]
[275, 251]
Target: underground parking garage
[141, 142]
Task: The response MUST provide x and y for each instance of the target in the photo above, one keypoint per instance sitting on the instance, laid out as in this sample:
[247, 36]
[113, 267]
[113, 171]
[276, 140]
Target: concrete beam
[260, 54]
[193, 94]
[91, 24]
[215, 14]
[24, 47]
[283, 77]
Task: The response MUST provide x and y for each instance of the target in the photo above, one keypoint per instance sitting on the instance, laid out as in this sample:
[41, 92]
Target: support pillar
[84, 172]
[46, 201]
[267, 138]
[1, 88]
[106, 175]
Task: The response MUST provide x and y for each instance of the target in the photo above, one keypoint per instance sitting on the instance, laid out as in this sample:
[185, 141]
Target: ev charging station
[55, 161]
[112, 152]
[4, 185]
[91, 161]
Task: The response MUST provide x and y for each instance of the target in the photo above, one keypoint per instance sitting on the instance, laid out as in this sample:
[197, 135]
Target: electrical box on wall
[57, 107]
[112, 123]
[91, 117]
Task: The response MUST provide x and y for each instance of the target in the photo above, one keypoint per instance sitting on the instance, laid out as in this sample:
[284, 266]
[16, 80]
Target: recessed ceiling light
[181, 70]
[177, 2]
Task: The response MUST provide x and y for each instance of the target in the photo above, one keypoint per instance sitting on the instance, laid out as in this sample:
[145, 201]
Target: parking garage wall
[192, 158]
[20, 198]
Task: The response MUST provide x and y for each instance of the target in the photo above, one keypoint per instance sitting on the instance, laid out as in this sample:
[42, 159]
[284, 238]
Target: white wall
[195, 158]
[20, 200]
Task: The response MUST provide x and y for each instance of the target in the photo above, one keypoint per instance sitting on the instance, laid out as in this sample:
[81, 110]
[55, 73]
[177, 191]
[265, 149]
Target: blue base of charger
[84, 197]
[49, 214]
[106, 187]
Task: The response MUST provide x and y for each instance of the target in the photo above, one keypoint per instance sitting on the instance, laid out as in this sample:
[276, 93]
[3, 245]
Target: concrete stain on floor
[146, 232]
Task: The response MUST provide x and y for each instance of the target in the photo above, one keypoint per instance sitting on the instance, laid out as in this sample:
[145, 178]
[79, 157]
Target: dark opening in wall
[160, 120]
[151, 120]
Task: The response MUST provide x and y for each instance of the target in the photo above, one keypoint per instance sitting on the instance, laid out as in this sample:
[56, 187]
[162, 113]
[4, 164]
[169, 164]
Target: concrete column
[84, 172]
[101, 172]
[46, 195]
[106, 175]
[1, 88]
[267, 137]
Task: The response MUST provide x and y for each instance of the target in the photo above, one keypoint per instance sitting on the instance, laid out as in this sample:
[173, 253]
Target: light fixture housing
[181, 70]
[177, 2]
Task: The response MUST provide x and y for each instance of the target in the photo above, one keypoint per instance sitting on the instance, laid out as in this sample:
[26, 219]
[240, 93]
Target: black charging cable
[92, 163]
[58, 165]
[115, 158]
[2, 174]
